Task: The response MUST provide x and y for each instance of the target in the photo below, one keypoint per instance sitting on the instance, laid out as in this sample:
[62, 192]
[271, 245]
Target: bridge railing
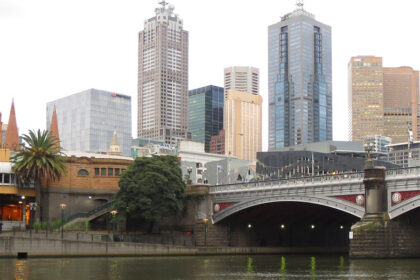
[403, 171]
[310, 180]
[287, 182]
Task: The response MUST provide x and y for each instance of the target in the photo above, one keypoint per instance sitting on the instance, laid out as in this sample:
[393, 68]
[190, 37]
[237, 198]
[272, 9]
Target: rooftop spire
[163, 3]
[299, 4]
[54, 131]
[12, 136]
[114, 147]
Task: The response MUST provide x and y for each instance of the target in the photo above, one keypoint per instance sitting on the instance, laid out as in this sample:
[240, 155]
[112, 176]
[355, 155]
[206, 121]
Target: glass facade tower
[87, 120]
[205, 113]
[299, 81]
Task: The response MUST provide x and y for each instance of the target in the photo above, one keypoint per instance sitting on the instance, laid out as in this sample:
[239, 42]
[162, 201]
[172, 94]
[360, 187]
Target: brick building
[217, 143]
[89, 181]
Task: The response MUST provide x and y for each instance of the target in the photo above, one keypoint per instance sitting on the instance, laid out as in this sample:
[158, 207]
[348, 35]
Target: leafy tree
[38, 161]
[151, 189]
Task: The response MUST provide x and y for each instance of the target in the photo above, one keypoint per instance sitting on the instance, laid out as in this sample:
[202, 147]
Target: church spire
[54, 131]
[114, 147]
[12, 136]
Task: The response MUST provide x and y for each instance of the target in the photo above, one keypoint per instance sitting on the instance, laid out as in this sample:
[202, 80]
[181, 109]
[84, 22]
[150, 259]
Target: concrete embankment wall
[10, 246]
[385, 240]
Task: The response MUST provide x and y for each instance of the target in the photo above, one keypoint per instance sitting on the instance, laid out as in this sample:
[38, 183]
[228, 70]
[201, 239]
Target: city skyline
[103, 53]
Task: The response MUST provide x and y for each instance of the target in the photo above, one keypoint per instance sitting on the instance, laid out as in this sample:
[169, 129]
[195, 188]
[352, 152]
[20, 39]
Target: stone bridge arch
[405, 205]
[331, 202]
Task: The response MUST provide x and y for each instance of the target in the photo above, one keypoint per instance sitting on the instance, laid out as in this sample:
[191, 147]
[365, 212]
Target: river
[209, 267]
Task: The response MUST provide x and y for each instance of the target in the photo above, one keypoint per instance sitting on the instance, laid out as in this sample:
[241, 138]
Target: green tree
[151, 189]
[39, 161]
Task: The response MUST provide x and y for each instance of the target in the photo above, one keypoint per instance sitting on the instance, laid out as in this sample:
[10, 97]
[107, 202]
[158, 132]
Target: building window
[103, 171]
[84, 172]
[96, 171]
[110, 172]
[117, 172]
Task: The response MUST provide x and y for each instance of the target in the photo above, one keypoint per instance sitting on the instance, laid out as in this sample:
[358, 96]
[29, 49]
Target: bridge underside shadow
[290, 224]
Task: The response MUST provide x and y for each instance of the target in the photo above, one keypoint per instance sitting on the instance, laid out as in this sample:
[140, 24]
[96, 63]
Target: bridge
[343, 192]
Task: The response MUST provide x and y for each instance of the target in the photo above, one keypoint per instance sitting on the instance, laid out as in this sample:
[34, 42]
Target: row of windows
[102, 172]
[6, 178]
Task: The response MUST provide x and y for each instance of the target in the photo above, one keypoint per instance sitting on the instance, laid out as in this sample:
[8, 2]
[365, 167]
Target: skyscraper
[242, 78]
[205, 113]
[242, 124]
[87, 120]
[299, 80]
[382, 100]
[163, 77]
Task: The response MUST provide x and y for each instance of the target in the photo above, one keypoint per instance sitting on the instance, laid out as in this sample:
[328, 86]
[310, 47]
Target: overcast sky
[53, 48]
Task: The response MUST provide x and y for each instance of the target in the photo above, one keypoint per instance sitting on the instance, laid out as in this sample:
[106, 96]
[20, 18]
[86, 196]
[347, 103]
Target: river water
[210, 267]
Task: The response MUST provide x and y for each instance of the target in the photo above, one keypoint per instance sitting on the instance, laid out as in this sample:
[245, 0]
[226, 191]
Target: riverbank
[11, 246]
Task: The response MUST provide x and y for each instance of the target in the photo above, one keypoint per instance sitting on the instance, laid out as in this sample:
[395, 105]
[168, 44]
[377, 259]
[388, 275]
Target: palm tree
[39, 161]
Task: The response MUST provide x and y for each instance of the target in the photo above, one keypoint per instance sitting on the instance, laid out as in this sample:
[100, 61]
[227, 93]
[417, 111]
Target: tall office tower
[365, 99]
[299, 80]
[382, 100]
[205, 113]
[163, 77]
[242, 78]
[243, 122]
[401, 91]
[87, 120]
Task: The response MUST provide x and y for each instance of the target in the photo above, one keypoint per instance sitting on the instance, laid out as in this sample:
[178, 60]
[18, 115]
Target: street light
[62, 205]
[32, 208]
[113, 213]
[205, 230]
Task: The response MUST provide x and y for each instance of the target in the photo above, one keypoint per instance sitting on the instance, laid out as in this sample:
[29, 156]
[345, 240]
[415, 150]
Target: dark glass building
[299, 81]
[205, 113]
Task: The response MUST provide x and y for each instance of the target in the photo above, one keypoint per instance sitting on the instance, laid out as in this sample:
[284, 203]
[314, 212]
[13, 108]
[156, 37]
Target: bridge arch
[404, 207]
[331, 202]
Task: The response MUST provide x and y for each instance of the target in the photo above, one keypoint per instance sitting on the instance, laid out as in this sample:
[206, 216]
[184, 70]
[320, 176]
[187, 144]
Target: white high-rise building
[163, 77]
[242, 78]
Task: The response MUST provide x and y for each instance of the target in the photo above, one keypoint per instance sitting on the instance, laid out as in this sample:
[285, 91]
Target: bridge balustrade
[403, 171]
[267, 184]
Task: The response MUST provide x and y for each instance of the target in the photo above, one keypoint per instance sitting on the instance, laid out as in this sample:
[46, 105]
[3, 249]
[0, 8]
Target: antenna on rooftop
[299, 4]
[163, 3]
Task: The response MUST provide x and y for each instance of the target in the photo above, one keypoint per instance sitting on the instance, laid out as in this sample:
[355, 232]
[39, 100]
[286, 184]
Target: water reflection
[214, 267]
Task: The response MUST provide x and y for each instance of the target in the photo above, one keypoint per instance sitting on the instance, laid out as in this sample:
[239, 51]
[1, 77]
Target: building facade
[163, 77]
[379, 143]
[401, 91]
[242, 78]
[405, 154]
[382, 100]
[89, 181]
[299, 80]
[205, 113]
[365, 99]
[243, 122]
[217, 143]
[87, 120]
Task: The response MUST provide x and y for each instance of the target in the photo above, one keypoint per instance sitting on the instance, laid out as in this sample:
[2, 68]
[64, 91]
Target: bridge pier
[376, 235]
